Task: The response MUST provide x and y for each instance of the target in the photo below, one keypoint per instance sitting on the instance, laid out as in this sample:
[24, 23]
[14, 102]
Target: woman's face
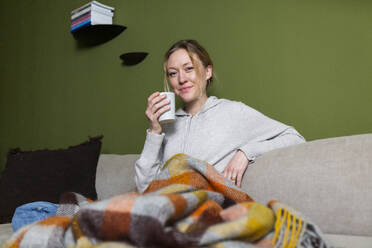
[183, 76]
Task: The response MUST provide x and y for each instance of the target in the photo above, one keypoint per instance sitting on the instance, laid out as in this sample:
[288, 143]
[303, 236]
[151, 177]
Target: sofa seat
[5, 232]
[338, 241]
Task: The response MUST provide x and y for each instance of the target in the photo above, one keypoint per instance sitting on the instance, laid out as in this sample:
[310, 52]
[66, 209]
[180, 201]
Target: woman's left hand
[236, 167]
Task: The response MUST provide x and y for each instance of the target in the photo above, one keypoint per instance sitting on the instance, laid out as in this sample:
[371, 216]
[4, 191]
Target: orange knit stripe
[19, 239]
[179, 204]
[60, 221]
[218, 182]
[231, 193]
[209, 204]
[191, 178]
[117, 216]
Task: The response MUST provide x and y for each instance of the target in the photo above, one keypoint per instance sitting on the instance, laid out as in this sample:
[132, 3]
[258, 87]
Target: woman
[227, 134]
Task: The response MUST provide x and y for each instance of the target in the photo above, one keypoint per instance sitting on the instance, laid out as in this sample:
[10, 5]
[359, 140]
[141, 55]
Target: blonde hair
[192, 47]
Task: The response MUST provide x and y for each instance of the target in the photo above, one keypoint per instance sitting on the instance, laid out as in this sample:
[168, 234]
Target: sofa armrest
[328, 180]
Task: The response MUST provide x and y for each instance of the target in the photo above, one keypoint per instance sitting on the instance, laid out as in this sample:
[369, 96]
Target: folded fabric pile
[92, 13]
[188, 205]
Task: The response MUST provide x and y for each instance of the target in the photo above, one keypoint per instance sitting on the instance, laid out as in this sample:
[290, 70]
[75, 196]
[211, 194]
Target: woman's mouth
[185, 89]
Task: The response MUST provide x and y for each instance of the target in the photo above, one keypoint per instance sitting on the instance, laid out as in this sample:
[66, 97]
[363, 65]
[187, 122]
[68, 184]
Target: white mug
[169, 115]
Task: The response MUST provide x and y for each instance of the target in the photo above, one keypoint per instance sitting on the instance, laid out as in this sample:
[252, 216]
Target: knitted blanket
[189, 204]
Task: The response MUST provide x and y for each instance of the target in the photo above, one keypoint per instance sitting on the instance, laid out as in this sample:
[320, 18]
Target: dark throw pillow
[44, 175]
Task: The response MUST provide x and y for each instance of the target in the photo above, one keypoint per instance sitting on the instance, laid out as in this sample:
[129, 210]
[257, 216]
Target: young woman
[227, 134]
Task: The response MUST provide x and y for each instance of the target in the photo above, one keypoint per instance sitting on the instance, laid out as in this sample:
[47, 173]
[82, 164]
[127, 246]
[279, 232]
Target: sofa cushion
[328, 180]
[115, 174]
[44, 174]
[347, 241]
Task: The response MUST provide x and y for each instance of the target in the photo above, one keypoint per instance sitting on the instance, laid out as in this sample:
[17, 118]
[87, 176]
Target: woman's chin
[186, 97]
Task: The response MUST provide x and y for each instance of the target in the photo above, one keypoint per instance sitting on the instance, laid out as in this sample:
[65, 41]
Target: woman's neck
[195, 106]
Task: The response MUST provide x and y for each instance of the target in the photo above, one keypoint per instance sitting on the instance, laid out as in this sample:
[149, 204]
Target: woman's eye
[171, 74]
[190, 68]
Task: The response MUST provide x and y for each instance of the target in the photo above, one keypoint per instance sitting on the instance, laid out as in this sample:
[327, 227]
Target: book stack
[92, 13]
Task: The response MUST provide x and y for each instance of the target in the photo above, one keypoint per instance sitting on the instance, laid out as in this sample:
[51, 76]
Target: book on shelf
[80, 19]
[91, 21]
[98, 18]
[83, 24]
[80, 13]
[92, 13]
[103, 5]
[95, 17]
[91, 9]
[93, 3]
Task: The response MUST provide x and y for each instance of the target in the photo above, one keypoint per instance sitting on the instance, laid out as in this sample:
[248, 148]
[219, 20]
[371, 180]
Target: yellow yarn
[282, 216]
[285, 240]
[293, 233]
[279, 222]
[278, 216]
[298, 230]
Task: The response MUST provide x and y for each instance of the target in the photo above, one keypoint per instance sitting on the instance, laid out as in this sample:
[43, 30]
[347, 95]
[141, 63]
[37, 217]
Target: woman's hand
[155, 107]
[236, 167]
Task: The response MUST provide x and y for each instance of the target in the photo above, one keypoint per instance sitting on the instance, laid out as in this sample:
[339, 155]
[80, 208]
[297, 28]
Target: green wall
[305, 63]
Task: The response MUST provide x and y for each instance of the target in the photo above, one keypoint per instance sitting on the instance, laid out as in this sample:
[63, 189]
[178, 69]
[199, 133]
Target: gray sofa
[328, 180]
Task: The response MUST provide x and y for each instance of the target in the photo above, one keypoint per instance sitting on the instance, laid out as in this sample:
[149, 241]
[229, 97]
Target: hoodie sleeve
[149, 162]
[267, 134]
[288, 137]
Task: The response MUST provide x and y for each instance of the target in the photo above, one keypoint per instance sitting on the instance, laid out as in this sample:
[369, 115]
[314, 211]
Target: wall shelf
[97, 34]
[133, 58]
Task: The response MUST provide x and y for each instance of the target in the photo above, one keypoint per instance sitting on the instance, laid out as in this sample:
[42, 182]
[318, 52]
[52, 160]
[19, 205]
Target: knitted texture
[189, 204]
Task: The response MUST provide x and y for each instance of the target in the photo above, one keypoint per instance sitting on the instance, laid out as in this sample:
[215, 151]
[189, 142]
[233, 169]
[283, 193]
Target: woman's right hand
[155, 107]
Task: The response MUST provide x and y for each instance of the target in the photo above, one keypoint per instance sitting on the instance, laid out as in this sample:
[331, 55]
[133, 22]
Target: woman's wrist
[158, 131]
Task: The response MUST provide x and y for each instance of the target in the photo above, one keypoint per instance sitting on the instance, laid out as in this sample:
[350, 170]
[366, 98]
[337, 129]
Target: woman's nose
[182, 77]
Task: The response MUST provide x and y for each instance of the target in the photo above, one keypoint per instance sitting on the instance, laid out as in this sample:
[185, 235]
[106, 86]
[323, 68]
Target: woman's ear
[209, 72]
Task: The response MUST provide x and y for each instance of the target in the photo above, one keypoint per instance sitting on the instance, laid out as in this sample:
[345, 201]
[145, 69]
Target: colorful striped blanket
[189, 204]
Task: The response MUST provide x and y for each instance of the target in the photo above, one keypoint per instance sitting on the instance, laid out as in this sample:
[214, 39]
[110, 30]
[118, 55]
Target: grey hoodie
[214, 134]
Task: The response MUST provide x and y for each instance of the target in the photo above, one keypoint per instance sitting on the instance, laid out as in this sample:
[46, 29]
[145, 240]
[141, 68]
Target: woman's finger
[152, 96]
[239, 178]
[241, 174]
[151, 99]
[158, 106]
[230, 175]
[226, 172]
[234, 175]
[154, 99]
[148, 114]
[161, 111]
[157, 99]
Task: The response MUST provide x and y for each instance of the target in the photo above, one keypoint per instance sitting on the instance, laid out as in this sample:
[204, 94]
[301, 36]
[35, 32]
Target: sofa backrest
[115, 174]
[328, 180]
